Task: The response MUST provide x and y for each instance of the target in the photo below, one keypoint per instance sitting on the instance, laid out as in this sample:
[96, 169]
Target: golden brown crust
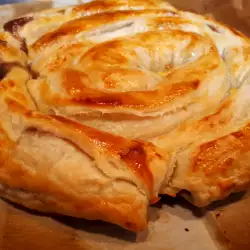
[89, 173]
[24, 28]
[100, 6]
[86, 62]
[235, 144]
[134, 154]
[137, 69]
[74, 84]
[222, 157]
[48, 196]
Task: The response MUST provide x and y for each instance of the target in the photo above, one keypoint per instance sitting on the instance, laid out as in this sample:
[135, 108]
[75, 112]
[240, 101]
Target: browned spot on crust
[6, 144]
[57, 63]
[4, 85]
[15, 106]
[20, 97]
[88, 22]
[238, 134]
[104, 6]
[76, 84]
[109, 82]
[135, 156]
[219, 155]
[96, 55]
[167, 22]
[96, 6]
[103, 101]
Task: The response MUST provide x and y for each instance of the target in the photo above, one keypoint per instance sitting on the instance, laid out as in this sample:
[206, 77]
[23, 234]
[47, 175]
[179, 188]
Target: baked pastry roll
[86, 92]
[53, 164]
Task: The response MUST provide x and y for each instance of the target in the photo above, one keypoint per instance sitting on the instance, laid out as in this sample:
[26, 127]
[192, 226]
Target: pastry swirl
[106, 71]
[107, 104]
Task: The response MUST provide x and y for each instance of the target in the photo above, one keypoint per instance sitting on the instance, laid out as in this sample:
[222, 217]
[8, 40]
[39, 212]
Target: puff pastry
[107, 104]
[103, 51]
[53, 164]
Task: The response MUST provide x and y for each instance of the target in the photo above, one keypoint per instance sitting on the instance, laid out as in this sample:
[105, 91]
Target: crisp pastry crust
[84, 63]
[54, 164]
[31, 27]
[107, 104]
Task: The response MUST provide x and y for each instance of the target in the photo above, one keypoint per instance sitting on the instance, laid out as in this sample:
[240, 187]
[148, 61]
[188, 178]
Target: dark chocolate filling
[13, 27]
[5, 67]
